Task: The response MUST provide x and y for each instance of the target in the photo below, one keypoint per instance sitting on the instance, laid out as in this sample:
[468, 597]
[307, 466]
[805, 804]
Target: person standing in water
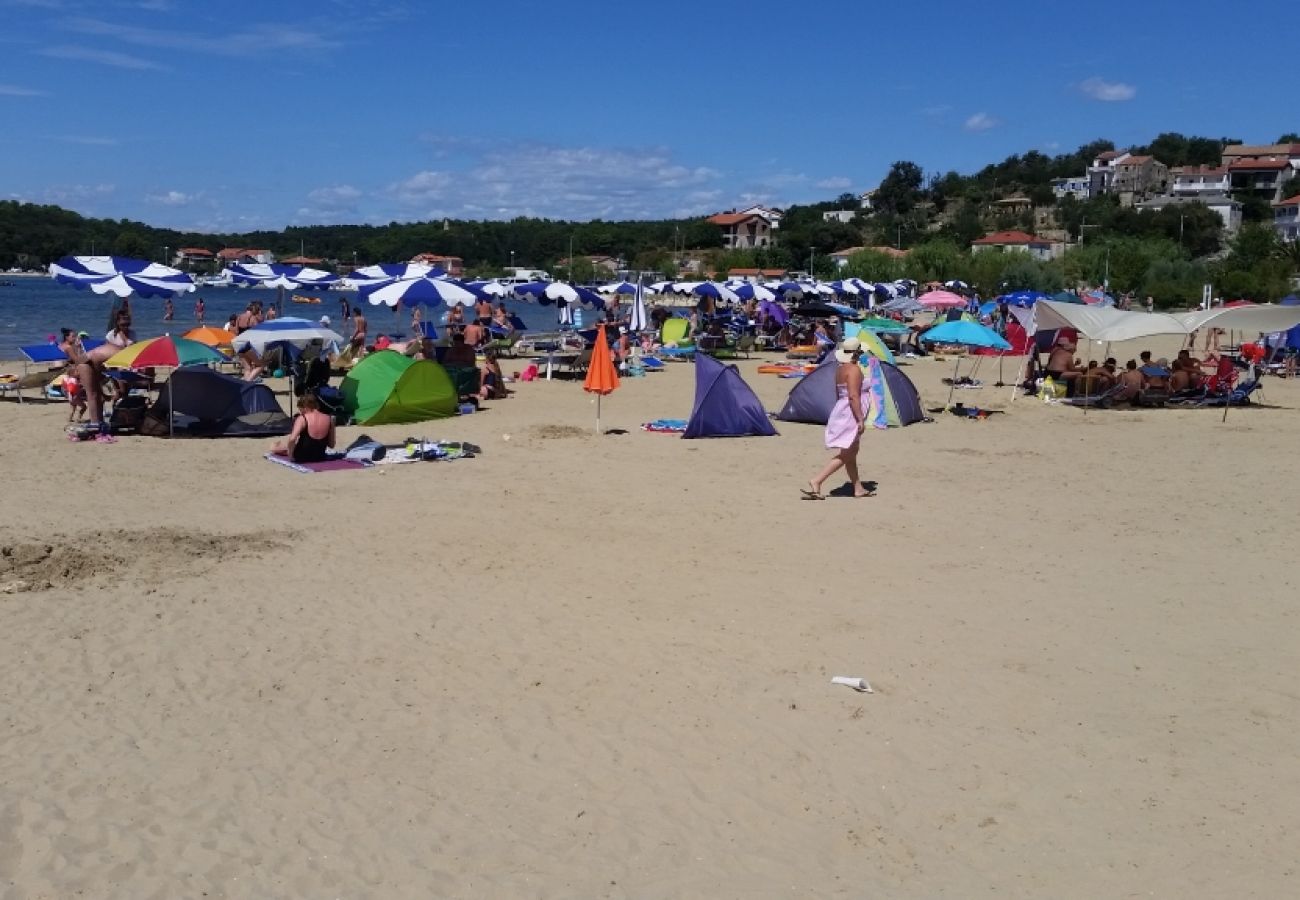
[847, 422]
[200, 309]
[169, 310]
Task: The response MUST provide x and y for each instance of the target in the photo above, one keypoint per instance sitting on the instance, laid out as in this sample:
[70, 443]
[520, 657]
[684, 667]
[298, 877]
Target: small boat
[299, 298]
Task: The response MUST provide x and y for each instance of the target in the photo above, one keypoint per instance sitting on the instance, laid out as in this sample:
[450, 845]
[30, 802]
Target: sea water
[33, 309]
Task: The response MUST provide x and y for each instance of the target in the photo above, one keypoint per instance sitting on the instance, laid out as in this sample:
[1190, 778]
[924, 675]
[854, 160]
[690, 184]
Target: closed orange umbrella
[602, 377]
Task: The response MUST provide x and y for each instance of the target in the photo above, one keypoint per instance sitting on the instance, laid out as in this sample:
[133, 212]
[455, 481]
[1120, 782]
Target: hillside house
[743, 231]
[1286, 219]
[1015, 242]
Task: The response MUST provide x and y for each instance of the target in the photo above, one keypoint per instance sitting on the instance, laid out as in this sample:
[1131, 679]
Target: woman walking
[848, 419]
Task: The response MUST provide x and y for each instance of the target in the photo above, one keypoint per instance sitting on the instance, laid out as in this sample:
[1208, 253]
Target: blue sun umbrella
[969, 334]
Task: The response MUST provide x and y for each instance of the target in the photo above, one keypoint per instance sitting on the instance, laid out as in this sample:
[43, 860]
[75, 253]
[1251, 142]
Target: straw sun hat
[848, 347]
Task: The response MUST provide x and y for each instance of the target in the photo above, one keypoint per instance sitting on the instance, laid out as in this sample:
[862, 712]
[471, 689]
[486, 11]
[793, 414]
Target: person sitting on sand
[1093, 380]
[501, 319]
[1131, 382]
[1156, 375]
[251, 363]
[1194, 368]
[456, 317]
[1061, 364]
[312, 435]
[459, 353]
[1180, 377]
[492, 382]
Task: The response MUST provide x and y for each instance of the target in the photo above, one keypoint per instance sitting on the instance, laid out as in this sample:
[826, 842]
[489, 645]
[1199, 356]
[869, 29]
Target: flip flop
[811, 495]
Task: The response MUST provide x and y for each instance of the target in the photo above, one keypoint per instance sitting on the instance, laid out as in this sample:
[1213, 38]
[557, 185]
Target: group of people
[1185, 373]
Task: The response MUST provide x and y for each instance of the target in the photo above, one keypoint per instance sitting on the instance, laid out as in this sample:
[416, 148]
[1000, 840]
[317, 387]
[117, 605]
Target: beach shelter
[811, 399]
[196, 401]
[602, 377]
[388, 388]
[724, 405]
[121, 276]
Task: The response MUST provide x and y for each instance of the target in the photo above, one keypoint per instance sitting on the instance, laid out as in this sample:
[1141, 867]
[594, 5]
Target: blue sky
[233, 116]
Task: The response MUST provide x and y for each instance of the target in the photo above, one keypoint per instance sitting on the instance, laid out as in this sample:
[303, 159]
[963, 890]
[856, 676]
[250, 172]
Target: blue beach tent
[724, 405]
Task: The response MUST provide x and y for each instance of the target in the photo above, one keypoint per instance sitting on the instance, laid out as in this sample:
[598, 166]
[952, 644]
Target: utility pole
[898, 238]
[1181, 217]
[165, 255]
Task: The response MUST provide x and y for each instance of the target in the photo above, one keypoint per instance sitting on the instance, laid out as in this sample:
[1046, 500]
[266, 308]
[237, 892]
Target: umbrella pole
[598, 414]
[952, 387]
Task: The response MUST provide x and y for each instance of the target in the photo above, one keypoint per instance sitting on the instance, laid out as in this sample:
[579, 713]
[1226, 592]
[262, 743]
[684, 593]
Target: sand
[583, 666]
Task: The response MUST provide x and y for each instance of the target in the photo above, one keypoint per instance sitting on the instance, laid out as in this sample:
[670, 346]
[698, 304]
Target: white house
[1286, 219]
[1196, 181]
[839, 215]
[1101, 174]
[743, 231]
[773, 216]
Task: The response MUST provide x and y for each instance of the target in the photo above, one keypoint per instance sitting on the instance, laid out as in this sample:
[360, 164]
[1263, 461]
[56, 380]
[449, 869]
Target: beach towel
[665, 426]
[330, 465]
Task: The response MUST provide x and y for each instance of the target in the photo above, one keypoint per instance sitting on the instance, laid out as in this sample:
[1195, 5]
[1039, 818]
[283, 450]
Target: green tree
[900, 190]
[934, 260]
[872, 265]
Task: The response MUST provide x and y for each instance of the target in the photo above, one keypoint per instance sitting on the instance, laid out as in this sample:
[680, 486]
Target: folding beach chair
[34, 355]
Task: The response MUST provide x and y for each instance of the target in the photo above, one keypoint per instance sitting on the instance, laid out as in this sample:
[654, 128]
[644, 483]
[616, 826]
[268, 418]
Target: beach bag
[1050, 390]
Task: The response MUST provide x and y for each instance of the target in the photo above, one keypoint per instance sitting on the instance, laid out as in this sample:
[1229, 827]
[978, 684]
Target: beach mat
[329, 465]
[665, 426]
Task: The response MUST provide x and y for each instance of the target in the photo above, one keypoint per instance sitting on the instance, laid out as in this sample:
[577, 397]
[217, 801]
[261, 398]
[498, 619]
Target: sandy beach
[599, 666]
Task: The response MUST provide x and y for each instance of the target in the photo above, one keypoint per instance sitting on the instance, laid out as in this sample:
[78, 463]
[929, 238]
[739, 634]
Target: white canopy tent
[1104, 323]
[1262, 318]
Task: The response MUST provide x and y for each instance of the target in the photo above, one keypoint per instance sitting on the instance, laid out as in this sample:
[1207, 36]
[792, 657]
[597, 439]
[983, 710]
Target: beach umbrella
[955, 285]
[298, 332]
[163, 351]
[1065, 297]
[638, 320]
[421, 290]
[718, 292]
[1098, 298]
[274, 275]
[213, 337]
[940, 300]
[882, 325]
[548, 292]
[1023, 298]
[788, 289]
[775, 311]
[602, 377]
[758, 292]
[618, 287]
[121, 276]
[489, 288]
[382, 273]
[969, 334]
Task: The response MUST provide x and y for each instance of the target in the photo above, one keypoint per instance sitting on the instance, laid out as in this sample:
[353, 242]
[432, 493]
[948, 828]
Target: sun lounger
[36, 354]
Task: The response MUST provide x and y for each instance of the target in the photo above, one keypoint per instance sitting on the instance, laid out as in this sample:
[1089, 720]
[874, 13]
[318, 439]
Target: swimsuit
[308, 448]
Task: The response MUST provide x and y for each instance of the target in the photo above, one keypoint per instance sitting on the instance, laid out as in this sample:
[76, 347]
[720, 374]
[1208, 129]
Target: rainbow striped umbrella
[163, 351]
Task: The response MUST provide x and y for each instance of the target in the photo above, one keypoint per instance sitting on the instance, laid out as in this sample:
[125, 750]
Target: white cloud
[557, 182]
[837, 183]
[103, 57]
[330, 205]
[1107, 91]
[14, 90]
[249, 40]
[981, 122]
[170, 198]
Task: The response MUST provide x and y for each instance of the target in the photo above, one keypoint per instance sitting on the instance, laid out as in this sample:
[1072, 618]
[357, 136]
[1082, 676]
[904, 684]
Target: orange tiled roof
[1294, 201]
[1009, 237]
[733, 218]
[194, 251]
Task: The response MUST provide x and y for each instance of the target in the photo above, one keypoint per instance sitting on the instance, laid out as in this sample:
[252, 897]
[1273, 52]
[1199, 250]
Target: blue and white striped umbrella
[790, 290]
[618, 287]
[274, 275]
[755, 292]
[121, 276]
[418, 291]
[489, 288]
[638, 320]
[548, 292]
[382, 273]
[298, 332]
[716, 291]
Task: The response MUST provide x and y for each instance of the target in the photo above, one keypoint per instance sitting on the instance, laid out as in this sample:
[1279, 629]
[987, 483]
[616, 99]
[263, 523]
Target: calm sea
[33, 309]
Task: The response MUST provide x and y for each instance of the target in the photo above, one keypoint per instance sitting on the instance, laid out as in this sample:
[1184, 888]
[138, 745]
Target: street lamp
[165, 256]
[512, 259]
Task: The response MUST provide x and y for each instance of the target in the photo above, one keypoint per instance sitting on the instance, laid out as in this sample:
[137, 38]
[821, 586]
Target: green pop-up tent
[387, 388]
